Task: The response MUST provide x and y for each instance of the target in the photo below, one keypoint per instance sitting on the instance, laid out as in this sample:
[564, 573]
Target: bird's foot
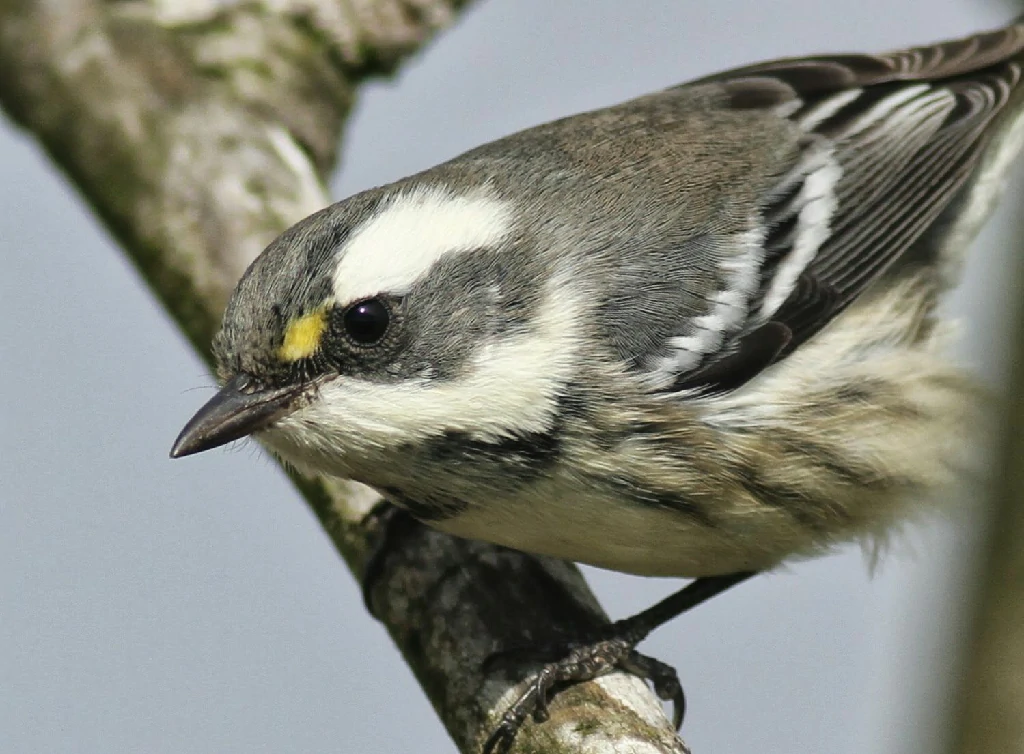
[613, 649]
[582, 661]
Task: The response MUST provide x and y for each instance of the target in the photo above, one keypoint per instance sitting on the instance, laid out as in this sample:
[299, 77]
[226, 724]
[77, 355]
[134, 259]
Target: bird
[694, 334]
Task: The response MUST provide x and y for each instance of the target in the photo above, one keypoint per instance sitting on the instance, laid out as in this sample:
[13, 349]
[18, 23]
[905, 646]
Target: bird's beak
[239, 409]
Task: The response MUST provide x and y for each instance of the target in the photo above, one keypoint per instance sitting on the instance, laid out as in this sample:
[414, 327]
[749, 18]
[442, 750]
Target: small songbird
[693, 334]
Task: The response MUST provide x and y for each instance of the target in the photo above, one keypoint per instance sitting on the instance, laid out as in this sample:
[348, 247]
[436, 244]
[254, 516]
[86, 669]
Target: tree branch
[199, 131]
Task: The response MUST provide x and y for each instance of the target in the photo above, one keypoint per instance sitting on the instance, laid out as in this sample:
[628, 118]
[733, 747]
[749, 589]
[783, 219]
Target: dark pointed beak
[238, 410]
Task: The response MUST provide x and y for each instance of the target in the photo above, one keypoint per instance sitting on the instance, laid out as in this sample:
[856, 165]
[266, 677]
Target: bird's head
[398, 315]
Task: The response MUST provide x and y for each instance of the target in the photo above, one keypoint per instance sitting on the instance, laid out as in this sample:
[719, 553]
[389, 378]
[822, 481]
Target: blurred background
[196, 606]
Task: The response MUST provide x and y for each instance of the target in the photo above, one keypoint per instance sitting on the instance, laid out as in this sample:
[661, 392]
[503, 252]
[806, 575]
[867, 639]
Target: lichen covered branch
[198, 131]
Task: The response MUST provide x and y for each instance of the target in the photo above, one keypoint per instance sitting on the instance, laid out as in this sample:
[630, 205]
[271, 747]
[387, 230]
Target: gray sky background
[195, 606]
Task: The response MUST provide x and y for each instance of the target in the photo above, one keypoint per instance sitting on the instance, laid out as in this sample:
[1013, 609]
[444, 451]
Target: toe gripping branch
[585, 660]
[567, 663]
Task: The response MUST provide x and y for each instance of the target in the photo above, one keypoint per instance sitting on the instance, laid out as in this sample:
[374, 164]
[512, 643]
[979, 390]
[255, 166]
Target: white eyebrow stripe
[410, 232]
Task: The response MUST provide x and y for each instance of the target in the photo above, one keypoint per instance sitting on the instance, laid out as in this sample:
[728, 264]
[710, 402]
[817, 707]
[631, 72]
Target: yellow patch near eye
[302, 338]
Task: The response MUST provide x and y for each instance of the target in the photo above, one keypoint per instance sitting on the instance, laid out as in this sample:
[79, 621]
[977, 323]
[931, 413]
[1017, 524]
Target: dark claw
[583, 662]
[586, 660]
[541, 686]
[663, 678]
[391, 523]
[500, 741]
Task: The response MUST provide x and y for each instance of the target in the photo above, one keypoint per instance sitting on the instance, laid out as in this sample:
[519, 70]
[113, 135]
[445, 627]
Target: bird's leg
[614, 649]
[391, 524]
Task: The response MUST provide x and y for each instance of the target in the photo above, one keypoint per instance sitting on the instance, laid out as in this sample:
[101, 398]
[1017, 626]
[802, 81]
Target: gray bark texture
[197, 131]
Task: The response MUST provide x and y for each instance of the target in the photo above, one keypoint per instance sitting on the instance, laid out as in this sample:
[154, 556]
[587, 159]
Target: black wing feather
[903, 131]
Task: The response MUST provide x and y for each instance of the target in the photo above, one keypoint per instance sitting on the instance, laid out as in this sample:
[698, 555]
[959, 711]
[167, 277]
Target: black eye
[367, 321]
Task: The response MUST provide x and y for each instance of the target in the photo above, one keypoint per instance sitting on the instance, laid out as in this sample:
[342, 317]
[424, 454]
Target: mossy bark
[199, 131]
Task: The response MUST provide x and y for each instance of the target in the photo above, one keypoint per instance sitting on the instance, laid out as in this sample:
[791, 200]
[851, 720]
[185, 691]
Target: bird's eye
[367, 321]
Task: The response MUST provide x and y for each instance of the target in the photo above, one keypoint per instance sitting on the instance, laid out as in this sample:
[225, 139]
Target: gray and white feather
[690, 334]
